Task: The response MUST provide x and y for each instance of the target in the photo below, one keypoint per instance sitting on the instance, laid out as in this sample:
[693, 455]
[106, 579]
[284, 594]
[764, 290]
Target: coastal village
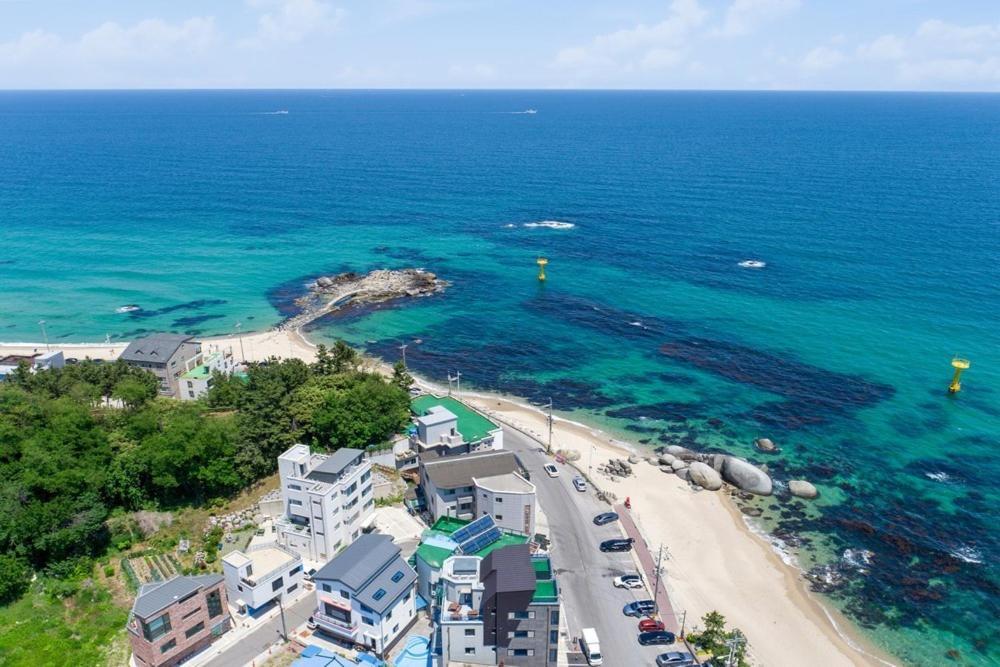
[479, 535]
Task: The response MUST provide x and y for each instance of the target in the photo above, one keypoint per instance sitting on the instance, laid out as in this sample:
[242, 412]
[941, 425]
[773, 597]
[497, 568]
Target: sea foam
[551, 224]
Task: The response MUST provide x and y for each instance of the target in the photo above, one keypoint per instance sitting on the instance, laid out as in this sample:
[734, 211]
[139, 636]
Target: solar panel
[480, 525]
[481, 541]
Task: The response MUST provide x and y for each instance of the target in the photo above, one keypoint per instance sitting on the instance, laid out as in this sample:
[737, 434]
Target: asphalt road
[257, 641]
[584, 572]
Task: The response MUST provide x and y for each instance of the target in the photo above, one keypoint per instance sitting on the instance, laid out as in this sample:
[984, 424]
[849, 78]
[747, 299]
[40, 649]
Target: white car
[551, 470]
[628, 581]
[580, 483]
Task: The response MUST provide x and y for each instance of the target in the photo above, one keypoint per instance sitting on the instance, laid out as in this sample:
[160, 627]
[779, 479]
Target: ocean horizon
[722, 266]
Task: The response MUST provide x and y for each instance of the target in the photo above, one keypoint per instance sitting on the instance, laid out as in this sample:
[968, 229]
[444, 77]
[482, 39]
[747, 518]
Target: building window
[520, 615]
[295, 487]
[366, 608]
[521, 651]
[195, 611]
[291, 588]
[554, 617]
[156, 628]
[368, 621]
[553, 636]
[249, 569]
[521, 634]
[395, 628]
[553, 655]
[470, 650]
[278, 583]
[326, 588]
[470, 632]
[347, 596]
[214, 601]
[169, 646]
[342, 615]
[498, 499]
[194, 629]
[295, 570]
[297, 503]
[499, 517]
[397, 576]
[379, 594]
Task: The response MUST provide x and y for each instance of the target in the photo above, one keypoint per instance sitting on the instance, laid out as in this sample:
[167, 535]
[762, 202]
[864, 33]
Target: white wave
[127, 308]
[551, 224]
[509, 225]
[858, 559]
[778, 545]
[752, 264]
[968, 554]
[637, 323]
[529, 112]
[279, 112]
[939, 476]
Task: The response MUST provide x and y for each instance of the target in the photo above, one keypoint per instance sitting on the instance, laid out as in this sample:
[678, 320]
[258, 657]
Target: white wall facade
[365, 626]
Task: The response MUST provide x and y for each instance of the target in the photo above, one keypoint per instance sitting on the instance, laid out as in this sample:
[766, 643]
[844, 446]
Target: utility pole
[549, 406]
[239, 334]
[656, 586]
[45, 335]
[458, 384]
[684, 615]
[284, 629]
[403, 348]
[733, 643]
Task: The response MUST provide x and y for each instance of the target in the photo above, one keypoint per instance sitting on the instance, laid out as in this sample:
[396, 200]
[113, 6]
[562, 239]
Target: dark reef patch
[190, 305]
[195, 319]
[667, 411]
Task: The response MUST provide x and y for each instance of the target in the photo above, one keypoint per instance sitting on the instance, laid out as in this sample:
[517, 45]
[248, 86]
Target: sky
[949, 45]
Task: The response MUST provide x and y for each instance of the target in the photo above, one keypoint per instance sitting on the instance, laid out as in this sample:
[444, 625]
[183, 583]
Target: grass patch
[77, 631]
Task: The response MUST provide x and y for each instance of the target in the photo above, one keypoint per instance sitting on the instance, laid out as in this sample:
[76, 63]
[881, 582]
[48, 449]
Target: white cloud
[964, 39]
[477, 73]
[151, 39]
[643, 45]
[744, 16]
[886, 47]
[822, 58]
[293, 20]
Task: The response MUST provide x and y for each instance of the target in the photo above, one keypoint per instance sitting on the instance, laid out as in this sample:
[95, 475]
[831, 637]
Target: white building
[35, 362]
[196, 379]
[264, 573]
[444, 426]
[366, 595]
[327, 500]
[474, 485]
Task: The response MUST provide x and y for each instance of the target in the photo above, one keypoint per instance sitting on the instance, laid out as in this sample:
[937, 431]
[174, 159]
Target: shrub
[109, 571]
[14, 578]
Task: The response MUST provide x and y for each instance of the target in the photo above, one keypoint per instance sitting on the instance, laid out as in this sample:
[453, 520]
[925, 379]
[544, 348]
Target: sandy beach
[715, 561]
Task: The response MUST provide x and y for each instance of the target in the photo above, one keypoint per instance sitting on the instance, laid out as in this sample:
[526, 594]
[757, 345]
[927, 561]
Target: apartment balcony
[456, 613]
[334, 625]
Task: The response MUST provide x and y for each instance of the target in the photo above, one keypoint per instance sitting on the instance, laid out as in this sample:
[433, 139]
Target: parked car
[651, 625]
[308, 576]
[580, 483]
[617, 544]
[628, 581]
[658, 637]
[639, 608]
[606, 518]
[675, 659]
[551, 470]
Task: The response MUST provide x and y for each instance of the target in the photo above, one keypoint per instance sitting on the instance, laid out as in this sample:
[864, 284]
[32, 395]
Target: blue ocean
[876, 218]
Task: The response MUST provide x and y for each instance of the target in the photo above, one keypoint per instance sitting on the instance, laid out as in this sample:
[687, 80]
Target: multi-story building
[446, 427]
[327, 500]
[34, 362]
[174, 619]
[196, 379]
[474, 485]
[500, 609]
[260, 575]
[365, 595]
[165, 356]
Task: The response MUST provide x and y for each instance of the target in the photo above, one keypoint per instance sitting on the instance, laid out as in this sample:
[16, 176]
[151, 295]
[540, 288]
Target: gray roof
[512, 568]
[335, 464]
[367, 566]
[156, 348]
[160, 595]
[452, 472]
[437, 415]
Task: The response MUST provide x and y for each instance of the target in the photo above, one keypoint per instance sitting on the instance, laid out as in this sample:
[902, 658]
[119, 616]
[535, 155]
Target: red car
[650, 625]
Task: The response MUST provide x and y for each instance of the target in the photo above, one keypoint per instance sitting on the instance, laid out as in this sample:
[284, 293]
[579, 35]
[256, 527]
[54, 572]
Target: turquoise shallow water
[878, 217]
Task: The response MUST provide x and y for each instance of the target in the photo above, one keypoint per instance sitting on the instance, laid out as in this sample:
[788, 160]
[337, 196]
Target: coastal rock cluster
[330, 293]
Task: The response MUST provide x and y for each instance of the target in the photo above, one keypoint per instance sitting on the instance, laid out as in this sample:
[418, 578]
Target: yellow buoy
[541, 261]
[956, 380]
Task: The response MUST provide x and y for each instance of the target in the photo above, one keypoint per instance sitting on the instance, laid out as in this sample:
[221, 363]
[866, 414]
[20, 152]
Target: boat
[531, 111]
[752, 264]
[128, 308]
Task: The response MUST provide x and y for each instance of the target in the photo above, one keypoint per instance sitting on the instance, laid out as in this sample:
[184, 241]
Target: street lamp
[549, 406]
[403, 348]
[45, 335]
[239, 334]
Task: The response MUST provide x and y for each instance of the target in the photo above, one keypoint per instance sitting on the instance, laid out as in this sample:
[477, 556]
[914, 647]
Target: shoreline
[717, 561]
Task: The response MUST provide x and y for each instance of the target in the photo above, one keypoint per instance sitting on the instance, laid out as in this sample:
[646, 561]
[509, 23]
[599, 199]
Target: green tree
[401, 377]
[226, 390]
[15, 575]
[133, 392]
[367, 411]
[344, 358]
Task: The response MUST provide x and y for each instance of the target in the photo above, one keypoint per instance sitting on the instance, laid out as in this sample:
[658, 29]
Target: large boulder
[765, 445]
[681, 452]
[667, 459]
[705, 477]
[679, 465]
[746, 476]
[633, 459]
[802, 489]
[685, 474]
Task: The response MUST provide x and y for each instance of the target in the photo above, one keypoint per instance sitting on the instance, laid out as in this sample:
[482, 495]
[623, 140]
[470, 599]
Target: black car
[658, 637]
[617, 544]
[639, 608]
[606, 518]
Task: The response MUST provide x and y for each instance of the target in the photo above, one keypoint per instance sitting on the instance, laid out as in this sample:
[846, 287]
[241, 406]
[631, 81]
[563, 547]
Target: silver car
[580, 483]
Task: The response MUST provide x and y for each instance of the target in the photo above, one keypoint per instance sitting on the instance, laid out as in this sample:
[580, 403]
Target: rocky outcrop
[802, 489]
[765, 445]
[685, 474]
[679, 465]
[329, 293]
[682, 453]
[704, 476]
[667, 459]
[746, 476]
